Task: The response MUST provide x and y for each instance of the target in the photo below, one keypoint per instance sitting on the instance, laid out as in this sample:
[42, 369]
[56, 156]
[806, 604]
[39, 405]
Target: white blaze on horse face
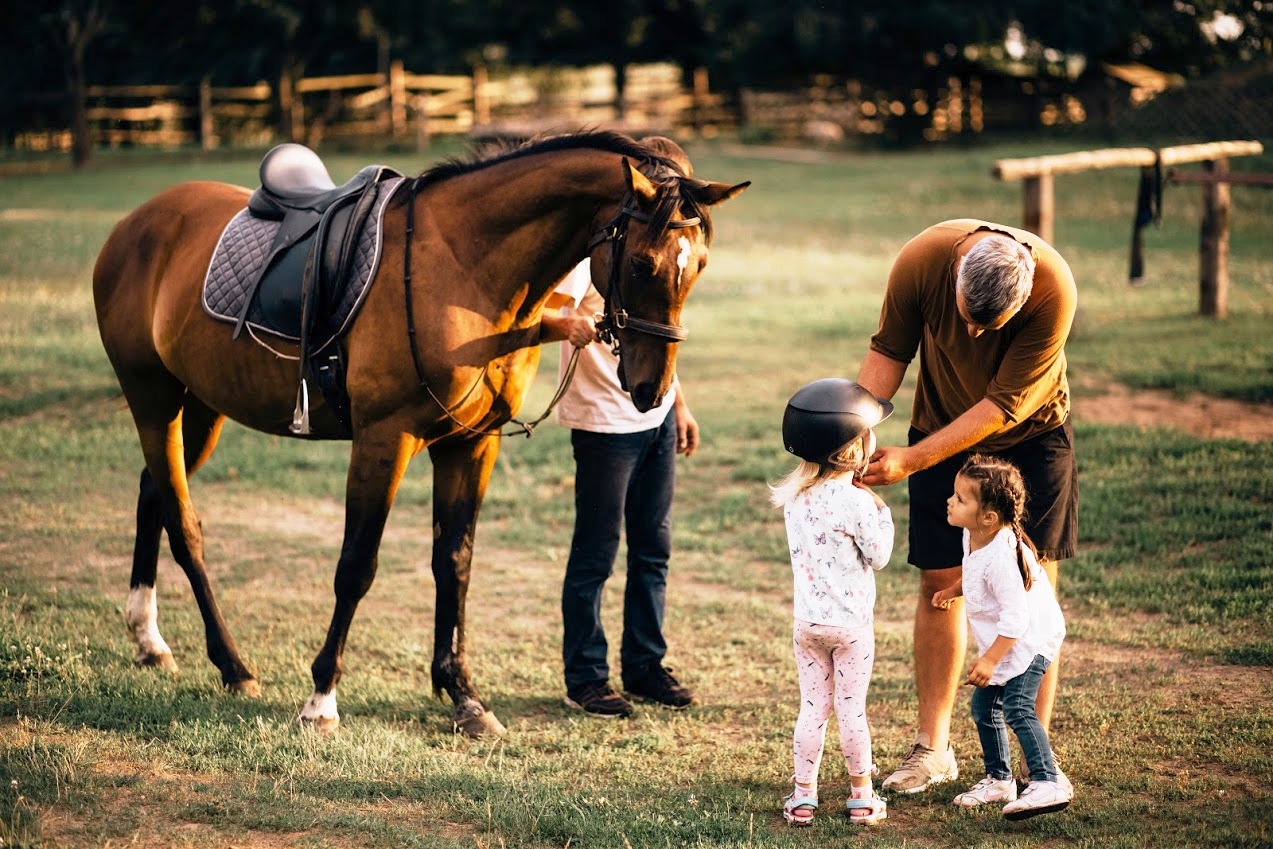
[320, 706]
[142, 616]
[682, 259]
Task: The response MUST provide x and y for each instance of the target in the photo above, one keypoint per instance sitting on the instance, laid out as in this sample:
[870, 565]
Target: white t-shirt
[838, 539]
[996, 602]
[595, 401]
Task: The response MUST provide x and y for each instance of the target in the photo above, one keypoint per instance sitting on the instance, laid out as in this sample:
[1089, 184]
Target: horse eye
[642, 268]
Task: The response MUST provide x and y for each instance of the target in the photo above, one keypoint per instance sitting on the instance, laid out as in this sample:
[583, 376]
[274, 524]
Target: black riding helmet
[824, 416]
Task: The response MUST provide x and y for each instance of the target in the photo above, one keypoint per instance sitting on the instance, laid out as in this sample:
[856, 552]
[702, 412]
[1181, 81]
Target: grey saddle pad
[244, 247]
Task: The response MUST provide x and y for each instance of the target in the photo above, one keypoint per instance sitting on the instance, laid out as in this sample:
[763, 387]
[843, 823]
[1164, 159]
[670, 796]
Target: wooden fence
[1036, 174]
[398, 106]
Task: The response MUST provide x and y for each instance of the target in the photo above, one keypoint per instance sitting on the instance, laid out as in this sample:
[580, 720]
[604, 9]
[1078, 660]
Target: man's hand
[580, 331]
[888, 465]
[686, 431]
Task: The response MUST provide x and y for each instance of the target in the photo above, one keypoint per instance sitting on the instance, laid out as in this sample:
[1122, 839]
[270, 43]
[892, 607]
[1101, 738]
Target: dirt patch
[1198, 414]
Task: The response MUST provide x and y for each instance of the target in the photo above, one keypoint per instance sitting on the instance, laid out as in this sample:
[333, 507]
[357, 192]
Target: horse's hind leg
[178, 432]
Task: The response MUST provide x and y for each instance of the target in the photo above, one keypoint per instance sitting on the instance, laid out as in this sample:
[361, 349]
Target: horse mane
[654, 164]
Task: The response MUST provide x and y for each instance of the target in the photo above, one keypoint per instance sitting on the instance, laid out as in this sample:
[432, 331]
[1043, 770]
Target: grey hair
[995, 277]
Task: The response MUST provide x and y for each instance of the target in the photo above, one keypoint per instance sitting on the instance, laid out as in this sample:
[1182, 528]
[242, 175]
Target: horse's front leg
[460, 474]
[377, 462]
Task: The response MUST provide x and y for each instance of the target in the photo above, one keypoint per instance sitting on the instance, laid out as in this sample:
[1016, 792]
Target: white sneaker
[1064, 780]
[1039, 797]
[986, 791]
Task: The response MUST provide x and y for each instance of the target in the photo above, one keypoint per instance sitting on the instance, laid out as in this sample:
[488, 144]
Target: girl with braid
[1018, 627]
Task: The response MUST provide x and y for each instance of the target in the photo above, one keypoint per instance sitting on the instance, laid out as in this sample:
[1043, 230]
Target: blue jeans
[621, 479]
[1013, 702]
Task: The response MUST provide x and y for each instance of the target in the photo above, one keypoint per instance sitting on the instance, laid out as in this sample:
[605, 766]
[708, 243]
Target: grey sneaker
[1039, 797]
[988, 790]
[922, 768]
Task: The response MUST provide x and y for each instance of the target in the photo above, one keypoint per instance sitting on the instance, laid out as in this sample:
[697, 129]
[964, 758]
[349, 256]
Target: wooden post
[1213, 283]
[1039, 205]
[698, 108]
[207, 138]
[481, 104]
[422, 120]
[397, 99]
[291, 110]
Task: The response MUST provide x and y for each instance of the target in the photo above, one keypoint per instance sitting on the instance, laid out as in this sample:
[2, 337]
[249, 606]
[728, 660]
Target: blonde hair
[851, 459]
[1001, 488]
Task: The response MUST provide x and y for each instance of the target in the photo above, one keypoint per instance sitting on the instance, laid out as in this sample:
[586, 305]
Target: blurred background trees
[49, 52]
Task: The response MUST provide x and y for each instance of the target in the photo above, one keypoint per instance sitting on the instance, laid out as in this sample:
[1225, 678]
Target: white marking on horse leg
[320, 711]
[142, 616]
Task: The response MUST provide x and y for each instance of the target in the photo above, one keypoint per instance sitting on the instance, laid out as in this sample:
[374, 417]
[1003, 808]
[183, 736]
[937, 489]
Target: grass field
[1163, 722]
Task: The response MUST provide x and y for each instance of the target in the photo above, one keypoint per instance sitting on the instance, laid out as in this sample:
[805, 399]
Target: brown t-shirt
[1020, 367]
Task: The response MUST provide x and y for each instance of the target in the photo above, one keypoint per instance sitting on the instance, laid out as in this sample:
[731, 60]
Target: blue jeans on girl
[1011, 705]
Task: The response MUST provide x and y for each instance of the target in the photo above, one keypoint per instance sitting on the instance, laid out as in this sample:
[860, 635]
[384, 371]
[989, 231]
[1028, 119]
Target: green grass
[1163, 721]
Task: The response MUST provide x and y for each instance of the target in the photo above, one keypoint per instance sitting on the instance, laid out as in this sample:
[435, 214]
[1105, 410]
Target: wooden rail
[1039, 201]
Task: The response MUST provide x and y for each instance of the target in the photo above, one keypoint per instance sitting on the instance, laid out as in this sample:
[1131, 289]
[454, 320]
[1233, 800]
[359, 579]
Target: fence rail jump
[1036, 175]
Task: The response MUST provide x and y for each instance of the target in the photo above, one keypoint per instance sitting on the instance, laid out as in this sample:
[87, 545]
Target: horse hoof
[481, 725]
[248, 688]
[156, 660]
[325, 726]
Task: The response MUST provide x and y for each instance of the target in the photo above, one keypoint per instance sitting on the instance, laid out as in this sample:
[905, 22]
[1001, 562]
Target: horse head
[646, 259]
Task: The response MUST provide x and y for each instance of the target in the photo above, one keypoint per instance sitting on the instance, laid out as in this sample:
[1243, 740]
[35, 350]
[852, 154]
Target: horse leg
[200, 429]
[460, 475]
[378, 460]
[160, 414]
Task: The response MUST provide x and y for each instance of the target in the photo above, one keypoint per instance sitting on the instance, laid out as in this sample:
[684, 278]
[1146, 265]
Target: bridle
[615, 316]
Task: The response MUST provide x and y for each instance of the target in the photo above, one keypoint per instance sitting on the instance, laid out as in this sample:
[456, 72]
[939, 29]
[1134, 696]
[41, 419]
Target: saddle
[307, 269]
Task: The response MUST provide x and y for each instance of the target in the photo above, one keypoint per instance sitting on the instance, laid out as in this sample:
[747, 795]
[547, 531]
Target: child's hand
[942, 599]
[979, 675]
[879, 502]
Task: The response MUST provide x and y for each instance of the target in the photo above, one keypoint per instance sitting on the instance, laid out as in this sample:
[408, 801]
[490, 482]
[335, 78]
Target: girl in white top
[839, 534]
[1018, 628]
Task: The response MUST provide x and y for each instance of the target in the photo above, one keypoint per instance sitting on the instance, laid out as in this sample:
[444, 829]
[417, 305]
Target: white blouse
[838, 538]
[996, 602]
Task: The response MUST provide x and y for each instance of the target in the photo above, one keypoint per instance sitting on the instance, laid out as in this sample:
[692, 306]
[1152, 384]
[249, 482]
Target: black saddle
[309, 260]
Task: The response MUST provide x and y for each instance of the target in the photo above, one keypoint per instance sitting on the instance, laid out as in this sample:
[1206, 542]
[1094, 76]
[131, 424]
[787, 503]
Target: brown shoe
[597, 699]
[657, 685]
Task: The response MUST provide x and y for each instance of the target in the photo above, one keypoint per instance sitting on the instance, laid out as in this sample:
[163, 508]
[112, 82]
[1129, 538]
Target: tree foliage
[883, 43]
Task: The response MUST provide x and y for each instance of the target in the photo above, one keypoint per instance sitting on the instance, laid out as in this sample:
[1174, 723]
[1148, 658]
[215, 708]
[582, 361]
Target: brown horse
[438, 363]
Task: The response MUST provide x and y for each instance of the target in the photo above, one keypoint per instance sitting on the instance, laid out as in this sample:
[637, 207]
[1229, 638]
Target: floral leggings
[834, 668]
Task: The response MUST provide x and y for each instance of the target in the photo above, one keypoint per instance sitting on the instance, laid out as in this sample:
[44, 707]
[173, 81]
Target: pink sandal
[798, 807]
[865, 806]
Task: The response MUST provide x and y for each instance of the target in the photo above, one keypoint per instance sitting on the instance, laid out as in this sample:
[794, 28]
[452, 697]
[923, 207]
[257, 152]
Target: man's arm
[892, 464]
[577, 329]
[881, 375]
[686, 424]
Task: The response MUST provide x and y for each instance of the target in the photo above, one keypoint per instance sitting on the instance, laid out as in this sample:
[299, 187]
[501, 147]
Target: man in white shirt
[624, 477]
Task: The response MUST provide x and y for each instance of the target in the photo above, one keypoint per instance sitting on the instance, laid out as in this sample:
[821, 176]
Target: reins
[615, 318]
[526, 429]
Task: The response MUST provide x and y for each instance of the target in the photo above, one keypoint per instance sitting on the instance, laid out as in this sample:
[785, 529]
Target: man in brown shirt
[989, 309]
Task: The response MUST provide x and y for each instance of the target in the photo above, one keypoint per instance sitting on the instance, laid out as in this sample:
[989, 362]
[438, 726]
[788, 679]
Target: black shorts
[1050, 470]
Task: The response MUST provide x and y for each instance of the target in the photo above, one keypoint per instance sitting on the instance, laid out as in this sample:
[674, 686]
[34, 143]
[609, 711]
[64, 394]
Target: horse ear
[714, 193]
[642, 189]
